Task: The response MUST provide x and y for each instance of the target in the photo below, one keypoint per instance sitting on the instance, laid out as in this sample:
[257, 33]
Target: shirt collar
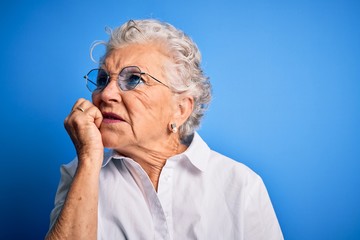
[109, 155]
[197, 153]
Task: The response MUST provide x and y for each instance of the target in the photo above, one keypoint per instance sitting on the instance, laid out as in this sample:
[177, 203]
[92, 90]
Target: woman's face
[137, 118]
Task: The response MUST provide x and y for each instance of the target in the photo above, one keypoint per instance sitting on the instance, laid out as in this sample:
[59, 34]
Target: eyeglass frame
[108, 78]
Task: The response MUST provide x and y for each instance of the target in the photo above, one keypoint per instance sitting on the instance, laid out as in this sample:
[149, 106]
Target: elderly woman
[159, 180]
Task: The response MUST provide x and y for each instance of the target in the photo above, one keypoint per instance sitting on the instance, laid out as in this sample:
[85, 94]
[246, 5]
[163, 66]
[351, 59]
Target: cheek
[154, 107]
[95, 98]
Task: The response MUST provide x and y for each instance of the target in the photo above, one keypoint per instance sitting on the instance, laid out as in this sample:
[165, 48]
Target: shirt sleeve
[67, 173]
[260, 218]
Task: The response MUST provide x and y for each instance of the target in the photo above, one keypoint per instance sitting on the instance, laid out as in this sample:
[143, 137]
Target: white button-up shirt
[201, 195]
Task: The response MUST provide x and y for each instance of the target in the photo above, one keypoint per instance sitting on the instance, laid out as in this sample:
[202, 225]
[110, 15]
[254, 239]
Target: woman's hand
[82, 125]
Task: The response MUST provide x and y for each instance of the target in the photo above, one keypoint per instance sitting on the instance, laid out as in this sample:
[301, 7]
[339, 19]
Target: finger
[95, 115]
[79, 105]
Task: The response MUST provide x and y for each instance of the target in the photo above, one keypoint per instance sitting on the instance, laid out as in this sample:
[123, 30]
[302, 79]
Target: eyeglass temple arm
[156, 80]
[87, 79]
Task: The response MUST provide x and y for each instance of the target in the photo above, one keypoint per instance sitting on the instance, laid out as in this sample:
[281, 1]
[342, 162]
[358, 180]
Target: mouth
[111, 118]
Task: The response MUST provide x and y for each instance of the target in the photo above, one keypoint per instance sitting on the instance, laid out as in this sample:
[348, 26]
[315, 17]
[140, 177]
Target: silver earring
[173, 127]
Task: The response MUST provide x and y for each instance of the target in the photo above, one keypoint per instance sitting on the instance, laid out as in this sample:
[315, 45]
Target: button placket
[165, 192]
[154, 202]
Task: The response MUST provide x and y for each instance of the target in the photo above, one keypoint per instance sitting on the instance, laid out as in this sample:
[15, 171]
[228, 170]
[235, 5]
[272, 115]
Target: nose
[112, 92]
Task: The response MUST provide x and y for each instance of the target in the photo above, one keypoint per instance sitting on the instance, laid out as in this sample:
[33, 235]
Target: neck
[153, 158]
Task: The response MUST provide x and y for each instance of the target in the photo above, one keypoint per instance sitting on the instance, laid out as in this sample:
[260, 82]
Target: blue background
[286, 80]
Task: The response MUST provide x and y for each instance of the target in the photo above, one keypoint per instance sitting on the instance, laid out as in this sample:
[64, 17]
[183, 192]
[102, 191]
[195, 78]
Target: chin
[112, 140]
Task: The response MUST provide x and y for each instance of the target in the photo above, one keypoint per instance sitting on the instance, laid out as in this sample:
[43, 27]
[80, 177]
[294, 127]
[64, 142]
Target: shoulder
[237, 181]
[69, 168]
[218, 165]
[226, 165]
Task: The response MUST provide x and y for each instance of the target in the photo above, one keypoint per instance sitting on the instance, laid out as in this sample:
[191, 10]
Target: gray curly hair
[184, 71]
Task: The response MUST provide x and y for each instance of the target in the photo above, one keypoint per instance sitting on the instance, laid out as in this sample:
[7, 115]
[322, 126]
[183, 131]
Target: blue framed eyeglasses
[128, 79]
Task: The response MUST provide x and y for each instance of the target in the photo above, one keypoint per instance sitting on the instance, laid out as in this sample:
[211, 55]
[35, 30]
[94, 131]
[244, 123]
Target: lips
[111, 118]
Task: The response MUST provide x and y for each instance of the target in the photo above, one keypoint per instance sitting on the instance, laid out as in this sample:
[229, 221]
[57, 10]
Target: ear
[183, 109]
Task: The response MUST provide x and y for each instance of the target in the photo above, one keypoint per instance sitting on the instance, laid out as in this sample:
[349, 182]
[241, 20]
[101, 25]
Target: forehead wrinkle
[113, 63]
[116, 66]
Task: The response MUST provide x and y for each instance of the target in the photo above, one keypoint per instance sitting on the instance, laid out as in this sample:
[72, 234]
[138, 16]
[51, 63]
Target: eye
[133, 80]
[102, 78]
